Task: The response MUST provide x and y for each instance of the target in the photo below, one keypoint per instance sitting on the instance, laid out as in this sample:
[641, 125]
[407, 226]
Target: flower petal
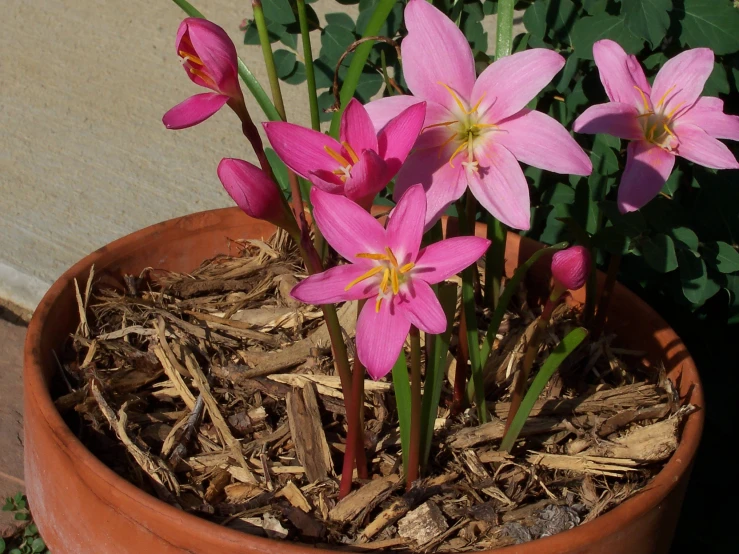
[500, 186]
[680, 81]
[194, 110]
[380, 337]
[621, 74]
[421, 308]
[536, 139]
[366, 179]
[708, 114]
[357, 129]
[381, 111]
[696, 145]
[348, 228]
[217, 52]
[611, 118]
[441, 260]
[443, 183]
[405, 226]
[510, 83]
[327, 181]
[647, 168]
[329, 286]
[303, 150]
[251, 189]
[397, 138]
[435, 51]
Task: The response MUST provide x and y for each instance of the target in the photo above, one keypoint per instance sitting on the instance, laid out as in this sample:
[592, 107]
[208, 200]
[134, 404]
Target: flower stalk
[416, 402]
[310, 74]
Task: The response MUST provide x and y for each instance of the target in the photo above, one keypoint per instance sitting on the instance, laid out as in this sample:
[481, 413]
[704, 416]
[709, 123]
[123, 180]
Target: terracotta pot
[82, 507]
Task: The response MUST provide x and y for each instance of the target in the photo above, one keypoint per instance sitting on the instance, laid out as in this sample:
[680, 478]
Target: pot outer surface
[81, 506]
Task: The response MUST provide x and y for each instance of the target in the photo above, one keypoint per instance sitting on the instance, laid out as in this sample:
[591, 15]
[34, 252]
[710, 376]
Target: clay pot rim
[633, 508]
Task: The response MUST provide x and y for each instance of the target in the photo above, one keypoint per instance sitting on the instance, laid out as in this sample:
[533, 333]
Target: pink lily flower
[254, 192]
[476, 129]
[361, 163]
[389, 266]
[209, 58]
[571, 267]
[662, 121]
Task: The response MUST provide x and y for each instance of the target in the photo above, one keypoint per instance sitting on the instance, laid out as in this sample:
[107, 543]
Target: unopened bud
[571, 267]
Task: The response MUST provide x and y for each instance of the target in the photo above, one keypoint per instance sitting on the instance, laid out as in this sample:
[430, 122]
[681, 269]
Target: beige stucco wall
[84, 157]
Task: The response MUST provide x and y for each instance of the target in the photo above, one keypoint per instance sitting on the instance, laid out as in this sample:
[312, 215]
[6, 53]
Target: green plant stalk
[494, 260]
[246, 75]
[504, 29]
[571, 341]
[435, 366]
[310, 74]
[402, 388]
[414, 445]
[383, 9]
[269, 59]
[468, 301]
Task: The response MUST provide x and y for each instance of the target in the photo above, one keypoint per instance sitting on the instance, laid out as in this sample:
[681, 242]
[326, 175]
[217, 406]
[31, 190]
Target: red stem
[414, 448]
[460, 375]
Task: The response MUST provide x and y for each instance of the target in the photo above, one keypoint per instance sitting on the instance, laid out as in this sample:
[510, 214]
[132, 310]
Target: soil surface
[215, 391]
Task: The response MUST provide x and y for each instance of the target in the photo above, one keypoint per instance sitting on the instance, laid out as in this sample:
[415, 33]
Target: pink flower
[662, 121]
[571, 267]
[361, 163]
[388, 266]
[476, 130]
[253, 191]
[209, 58]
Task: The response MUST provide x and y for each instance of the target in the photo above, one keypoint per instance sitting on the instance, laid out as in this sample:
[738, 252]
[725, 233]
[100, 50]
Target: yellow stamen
[205, 77]
[350, 151]
[456, 98]
[668, 130]
[672, 112]
[192, 58]
[396, 285]
[370, 256]
[385, 279]
[474, 109]
[336, 156]
[457, 151]
[661, 100]
[485, 125]
[444, 124]
[374, 271]
[377, 304]
[391, 256]
[644, 98]
[645, 114]
[407, 267]
[446, 142]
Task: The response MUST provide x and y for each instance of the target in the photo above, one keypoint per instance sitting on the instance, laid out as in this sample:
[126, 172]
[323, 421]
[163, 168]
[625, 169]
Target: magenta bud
[571, 267]
[252, 190]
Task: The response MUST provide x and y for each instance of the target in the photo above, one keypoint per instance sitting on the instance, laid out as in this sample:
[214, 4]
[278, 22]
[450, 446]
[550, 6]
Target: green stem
[269, 59]
[416, 403]
[402, 390]
[246, 75]
[468, 300]
[310, 74]
[353, 75]
[495, 260]
[571, 341]
[504, 30]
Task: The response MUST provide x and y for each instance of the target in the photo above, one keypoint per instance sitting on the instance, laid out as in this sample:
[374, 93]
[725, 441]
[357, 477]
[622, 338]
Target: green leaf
[368, 86]
[285, 63]
[402, 388]
[21, 516]
[279, 11]
[673, 181]
[588, 30]
[648, 19]
[631, 224]
[718, 81]
[685, 238]
[2, 545]
[471, 26]
[435, 367]
[37, 545]
[694, 277]
[612, 240]
[709, 23]
[567, 346]
[279, 169]
[659, 253]
[340, 20]
[559, 194]
[335, 40]
[594, 6]
[552, 19]
[325, 101]
[298, 76]
[723, 256]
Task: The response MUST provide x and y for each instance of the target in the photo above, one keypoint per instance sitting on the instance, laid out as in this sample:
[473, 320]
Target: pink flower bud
[252, 190]
[571, 267]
